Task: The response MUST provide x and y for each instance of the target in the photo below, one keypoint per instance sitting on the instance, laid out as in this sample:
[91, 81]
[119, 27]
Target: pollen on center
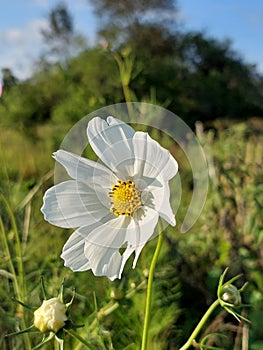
[125, 198]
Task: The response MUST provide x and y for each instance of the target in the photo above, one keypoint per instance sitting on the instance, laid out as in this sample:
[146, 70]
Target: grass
[228, 233]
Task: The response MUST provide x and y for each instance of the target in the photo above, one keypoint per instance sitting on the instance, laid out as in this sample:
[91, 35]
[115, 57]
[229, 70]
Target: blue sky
[21, 21]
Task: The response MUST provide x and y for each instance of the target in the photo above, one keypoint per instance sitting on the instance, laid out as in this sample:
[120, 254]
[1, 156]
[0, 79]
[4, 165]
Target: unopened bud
[50, 316]
[146, 273]
[231, 295]
[116, 294]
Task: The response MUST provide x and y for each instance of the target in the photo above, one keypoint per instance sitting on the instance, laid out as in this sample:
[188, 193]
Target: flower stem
[149, 292]
[19, 276]
[200, 325]
[80, 339]
[125, 65]
[20, 292]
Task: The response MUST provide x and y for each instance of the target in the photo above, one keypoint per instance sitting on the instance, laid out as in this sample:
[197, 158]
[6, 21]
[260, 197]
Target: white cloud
[21, 46]
[13, 35]
[260, 68]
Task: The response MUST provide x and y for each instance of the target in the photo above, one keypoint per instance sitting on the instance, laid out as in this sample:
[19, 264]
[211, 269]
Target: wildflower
[114, 206]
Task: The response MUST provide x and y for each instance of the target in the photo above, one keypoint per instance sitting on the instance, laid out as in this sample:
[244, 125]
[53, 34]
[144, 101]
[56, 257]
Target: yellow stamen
[126, 198]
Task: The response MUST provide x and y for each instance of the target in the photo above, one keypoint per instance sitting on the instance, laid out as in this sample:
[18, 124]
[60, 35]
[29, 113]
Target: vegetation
[200, 79]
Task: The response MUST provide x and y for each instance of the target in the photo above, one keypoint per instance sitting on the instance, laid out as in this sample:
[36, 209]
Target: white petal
[73, 204]
[109, 234]
[147, 224]
[103, 243]
[103, 261]
[84, 169]
[159, 199]
[73, 253]
[111, 140]
[103, 133]
[151, 159]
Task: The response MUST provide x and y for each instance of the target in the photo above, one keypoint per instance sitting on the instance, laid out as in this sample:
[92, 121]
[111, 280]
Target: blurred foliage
[61, 26]
[61, 39]
[8, 78]
[229, 230]
[119, 21]
[195, 76]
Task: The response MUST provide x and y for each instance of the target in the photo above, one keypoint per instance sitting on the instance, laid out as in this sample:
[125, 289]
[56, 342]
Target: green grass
[228, 233]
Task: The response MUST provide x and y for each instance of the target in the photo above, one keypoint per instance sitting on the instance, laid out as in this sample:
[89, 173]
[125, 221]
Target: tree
[60, 30]
[216, 82]
[146, 29]
[60, 35]
[198, 77]
[9, 80]
[119, 20]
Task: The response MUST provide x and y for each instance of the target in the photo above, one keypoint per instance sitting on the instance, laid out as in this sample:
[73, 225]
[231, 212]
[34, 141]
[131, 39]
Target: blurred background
[202, 60]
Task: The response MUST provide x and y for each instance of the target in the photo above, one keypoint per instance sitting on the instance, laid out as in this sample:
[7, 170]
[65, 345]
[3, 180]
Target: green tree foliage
[91, 82]
[198, 77]
[9, 80]
[60, 36]
[63, 94]
[31, 102]
[195, 76]
[60, 30]
[118, 18]
[216, 83]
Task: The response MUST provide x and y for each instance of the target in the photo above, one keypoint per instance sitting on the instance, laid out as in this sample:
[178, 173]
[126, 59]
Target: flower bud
[146, 273]
[50, 316]
[133, 285]
[116, 294]
[231, 295]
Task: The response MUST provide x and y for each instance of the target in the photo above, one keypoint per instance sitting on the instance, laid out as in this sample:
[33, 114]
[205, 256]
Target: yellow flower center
[125, 198]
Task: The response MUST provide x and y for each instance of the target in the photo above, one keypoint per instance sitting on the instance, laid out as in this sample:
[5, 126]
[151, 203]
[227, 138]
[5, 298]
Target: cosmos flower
[115, 206]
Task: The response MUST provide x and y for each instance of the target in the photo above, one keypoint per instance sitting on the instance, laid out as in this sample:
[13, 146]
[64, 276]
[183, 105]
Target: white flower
[115, 206]
[50, 316]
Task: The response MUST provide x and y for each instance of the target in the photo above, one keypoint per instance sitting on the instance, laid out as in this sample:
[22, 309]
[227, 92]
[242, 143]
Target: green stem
[125, 76]
[200, 325]
[149, 293]
[4, 167]
[9, 259]
[80, 339]
[21, 292]
[125, 66]
[19, 277]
